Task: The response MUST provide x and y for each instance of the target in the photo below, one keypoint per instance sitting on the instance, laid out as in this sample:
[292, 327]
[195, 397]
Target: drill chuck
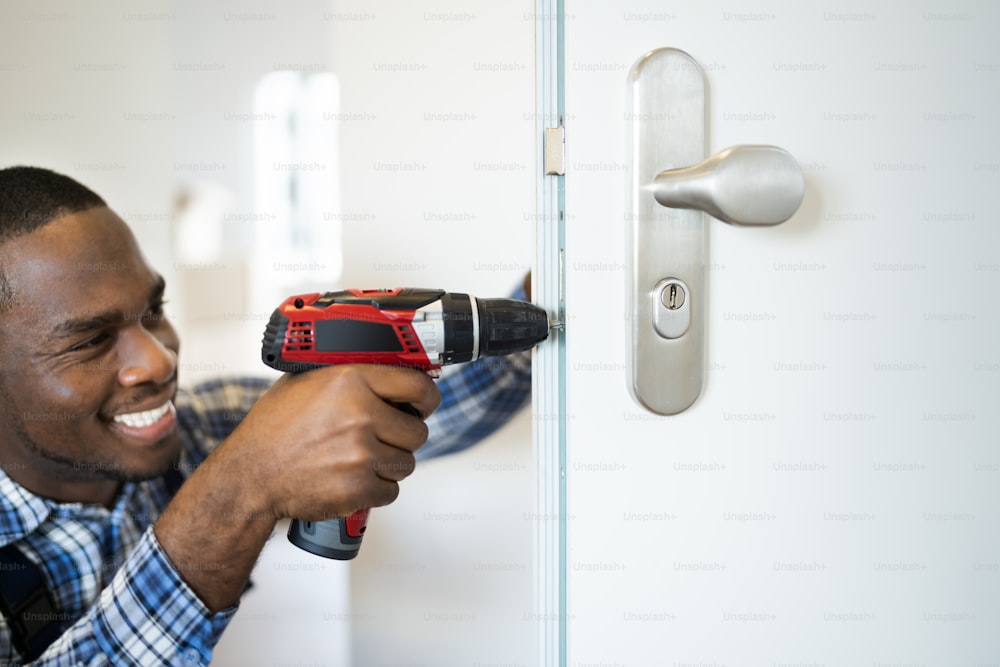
[508, 325]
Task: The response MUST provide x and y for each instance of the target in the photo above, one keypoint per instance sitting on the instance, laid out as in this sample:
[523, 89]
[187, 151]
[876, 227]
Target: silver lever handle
[742, 185]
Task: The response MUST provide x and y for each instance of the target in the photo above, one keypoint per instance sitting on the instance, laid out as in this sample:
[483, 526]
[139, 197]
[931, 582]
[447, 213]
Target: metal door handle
[671, 184]
[742, 185]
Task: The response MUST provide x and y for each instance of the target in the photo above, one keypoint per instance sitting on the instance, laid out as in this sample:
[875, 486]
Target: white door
[833, 496]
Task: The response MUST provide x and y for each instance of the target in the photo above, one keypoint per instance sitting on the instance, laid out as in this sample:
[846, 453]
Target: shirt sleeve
[209, 412]
[147, 616]
[477, 398]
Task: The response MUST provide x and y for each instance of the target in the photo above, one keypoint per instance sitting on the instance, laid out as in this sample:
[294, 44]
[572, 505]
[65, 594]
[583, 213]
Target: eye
[92, 342]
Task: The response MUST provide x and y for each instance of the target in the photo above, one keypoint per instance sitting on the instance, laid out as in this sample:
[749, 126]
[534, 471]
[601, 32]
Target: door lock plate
[666, 246]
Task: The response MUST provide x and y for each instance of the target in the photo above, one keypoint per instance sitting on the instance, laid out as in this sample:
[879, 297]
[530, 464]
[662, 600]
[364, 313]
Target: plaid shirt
[119, 598]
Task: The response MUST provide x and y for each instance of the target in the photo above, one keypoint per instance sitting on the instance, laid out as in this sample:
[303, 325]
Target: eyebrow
[101, 320]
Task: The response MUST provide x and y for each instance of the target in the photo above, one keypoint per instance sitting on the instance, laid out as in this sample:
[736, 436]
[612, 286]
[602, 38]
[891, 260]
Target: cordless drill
[410, 327]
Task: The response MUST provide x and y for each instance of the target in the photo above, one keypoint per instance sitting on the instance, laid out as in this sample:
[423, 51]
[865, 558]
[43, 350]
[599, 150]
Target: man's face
[88, 362]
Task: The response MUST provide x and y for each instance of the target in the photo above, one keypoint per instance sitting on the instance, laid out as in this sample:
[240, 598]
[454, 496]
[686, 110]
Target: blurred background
[262, 149]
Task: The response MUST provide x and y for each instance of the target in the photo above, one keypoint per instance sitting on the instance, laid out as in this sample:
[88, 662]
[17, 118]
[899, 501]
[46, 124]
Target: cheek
[48, 410]
[80, 392]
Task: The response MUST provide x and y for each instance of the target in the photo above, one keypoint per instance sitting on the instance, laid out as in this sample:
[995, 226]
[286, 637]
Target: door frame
[549, 360]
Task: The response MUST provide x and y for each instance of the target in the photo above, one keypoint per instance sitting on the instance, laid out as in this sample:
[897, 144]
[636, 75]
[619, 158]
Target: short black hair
[31, 197]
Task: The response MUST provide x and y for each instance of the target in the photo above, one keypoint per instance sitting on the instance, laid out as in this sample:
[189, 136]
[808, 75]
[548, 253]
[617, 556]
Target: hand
[328, 442]
[320, 444]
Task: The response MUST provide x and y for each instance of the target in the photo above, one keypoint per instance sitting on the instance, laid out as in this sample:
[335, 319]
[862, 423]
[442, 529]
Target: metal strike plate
[671, 186]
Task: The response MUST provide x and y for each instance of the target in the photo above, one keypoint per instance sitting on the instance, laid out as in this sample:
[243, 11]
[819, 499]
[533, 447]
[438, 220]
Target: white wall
[142, 101]
[80, 87]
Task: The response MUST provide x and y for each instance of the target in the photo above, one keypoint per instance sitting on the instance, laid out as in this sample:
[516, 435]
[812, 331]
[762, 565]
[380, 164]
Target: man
[96, 439]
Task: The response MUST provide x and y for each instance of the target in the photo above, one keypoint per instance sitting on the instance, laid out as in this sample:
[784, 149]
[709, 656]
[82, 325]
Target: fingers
[391, 397]
[370, 480]
[400, 385]
[385, 494]
[394, 464]
[393, 426]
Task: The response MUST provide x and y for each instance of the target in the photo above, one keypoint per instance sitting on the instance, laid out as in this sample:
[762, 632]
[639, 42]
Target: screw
[672, 296]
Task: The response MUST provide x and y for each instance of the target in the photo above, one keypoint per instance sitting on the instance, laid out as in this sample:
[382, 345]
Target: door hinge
[555, 151]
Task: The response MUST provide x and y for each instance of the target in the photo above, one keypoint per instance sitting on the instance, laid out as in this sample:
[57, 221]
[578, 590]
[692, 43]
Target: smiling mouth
[142, 419]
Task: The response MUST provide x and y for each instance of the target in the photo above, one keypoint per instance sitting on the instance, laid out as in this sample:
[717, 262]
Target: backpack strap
[173, 479]
[26, 603]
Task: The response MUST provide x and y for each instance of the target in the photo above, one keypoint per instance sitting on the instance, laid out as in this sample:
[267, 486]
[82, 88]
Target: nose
[144, 358]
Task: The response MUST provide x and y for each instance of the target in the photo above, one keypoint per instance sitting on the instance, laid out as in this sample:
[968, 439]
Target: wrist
[237, 484]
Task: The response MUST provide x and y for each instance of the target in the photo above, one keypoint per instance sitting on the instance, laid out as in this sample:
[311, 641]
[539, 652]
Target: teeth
[143, 419]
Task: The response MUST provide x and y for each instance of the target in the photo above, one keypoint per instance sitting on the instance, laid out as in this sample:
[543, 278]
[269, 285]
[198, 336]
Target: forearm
[212, 533]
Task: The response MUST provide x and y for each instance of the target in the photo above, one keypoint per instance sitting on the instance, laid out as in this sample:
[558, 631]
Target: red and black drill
[409, 327]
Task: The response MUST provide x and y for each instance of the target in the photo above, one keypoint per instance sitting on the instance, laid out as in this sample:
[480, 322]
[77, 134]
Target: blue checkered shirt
[117, 594]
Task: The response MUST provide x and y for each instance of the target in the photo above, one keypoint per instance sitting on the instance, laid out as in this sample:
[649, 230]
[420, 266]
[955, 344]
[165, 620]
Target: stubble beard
[66, 469]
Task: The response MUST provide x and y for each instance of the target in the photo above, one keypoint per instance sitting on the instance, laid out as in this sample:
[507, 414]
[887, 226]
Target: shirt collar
[21, 511]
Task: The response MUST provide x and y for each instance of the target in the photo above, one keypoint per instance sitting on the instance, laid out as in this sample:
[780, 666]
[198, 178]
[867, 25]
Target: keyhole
[673, 296]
